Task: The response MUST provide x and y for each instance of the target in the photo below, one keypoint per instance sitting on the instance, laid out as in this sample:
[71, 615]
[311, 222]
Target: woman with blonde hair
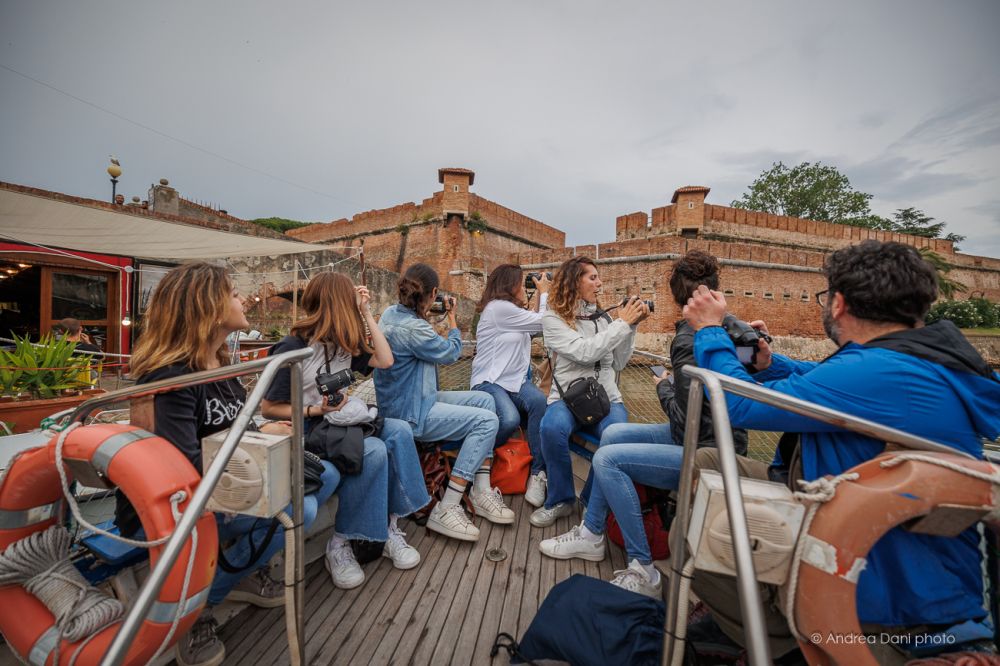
[194, 308]
[337, 316]
[586, 343]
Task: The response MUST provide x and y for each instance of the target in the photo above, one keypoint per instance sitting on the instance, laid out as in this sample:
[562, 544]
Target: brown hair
[184, 314]
[694, 268]
[502, 285]
[563, 296]
[332, 315]
[68, 325]
[416, 286]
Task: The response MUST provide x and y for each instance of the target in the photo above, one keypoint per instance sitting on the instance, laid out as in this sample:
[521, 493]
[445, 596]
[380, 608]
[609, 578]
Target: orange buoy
[149, 470]
[833, 546]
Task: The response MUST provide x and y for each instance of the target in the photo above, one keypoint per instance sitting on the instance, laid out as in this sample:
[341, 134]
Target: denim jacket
[408, 389]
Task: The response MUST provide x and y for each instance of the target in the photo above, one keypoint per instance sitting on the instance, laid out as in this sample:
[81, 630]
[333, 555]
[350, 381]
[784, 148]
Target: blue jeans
[557, 426]
[238, 526]
[407, 490]
[466, 415]
[528, 401]
[636, 433]
[616, 468]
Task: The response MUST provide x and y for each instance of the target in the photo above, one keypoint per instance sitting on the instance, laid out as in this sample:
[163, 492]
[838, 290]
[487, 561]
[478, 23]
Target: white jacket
[503, 344]
[578, 348]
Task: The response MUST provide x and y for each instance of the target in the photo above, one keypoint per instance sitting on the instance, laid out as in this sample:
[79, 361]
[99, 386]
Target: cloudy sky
[572, 112]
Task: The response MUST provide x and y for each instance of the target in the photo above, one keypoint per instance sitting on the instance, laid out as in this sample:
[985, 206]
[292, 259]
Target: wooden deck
[448, 610]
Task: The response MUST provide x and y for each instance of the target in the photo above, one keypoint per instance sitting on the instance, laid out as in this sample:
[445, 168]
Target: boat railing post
[298, 497]
[678, 531]
[196, 506]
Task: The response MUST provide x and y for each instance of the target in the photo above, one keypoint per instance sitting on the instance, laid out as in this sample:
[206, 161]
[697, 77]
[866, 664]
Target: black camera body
[440, 304]
[332, 383]
[529, 279]
[745, 337]
[649, 304]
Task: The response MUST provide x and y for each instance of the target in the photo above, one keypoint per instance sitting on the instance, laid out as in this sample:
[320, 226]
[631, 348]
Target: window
[769, 295]
[454, 188]
[728, 292]
[786, 296]
[689, 233]
[748, 294]
[690, 204]
[805, 296]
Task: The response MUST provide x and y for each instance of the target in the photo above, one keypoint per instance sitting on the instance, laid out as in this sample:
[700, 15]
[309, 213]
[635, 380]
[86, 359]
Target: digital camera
[649, 304]
[332, 383]
[745, 337]
[440, 304]
[529, 279]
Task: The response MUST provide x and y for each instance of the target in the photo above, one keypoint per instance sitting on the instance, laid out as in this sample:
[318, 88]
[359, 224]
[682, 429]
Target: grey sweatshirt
[576, 349]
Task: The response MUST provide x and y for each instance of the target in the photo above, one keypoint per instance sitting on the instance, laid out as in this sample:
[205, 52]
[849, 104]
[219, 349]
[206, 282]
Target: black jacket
[674, 395]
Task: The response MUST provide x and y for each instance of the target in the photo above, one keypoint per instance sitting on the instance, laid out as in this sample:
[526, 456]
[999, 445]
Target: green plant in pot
[43, 370]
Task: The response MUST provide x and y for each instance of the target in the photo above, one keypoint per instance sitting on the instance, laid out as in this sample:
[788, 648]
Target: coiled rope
[40, 563]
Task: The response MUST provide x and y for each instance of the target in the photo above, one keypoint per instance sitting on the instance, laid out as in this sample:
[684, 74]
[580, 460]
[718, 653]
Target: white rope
[817, 492]
[40, 563]
[182, 602]
[947, 464]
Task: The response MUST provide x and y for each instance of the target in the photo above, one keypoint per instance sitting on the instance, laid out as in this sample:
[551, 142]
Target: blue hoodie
[926, 381]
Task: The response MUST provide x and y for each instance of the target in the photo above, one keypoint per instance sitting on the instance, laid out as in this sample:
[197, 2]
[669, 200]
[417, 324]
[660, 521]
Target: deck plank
[515, 584]
[397, 612]
[445, 627]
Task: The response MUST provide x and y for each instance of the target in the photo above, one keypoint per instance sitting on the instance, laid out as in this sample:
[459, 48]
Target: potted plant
[37, 376]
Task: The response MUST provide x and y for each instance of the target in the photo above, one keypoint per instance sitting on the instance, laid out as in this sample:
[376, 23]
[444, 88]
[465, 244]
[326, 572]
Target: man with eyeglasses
[892, 369]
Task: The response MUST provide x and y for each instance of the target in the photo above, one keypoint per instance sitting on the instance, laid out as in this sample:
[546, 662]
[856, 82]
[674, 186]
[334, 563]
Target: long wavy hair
[564, 296]
[332, 314]
[185, 312]
[502, 286]
[416, 286]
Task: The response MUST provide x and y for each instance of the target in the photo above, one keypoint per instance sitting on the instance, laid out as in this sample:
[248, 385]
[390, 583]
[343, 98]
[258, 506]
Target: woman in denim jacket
[408, 390]
[586, 342]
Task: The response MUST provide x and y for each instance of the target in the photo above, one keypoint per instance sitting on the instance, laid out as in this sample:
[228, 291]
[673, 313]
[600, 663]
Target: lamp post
[114, 170]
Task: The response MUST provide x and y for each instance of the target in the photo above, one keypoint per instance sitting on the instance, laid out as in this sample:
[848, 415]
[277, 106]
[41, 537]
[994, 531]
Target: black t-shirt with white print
[183, 417]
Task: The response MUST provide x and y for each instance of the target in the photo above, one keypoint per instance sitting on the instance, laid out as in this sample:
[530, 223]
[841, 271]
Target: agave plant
[43, 369]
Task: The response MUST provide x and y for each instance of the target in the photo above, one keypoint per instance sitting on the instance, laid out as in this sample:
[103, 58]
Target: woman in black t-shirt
[190, 314]
[337, 316]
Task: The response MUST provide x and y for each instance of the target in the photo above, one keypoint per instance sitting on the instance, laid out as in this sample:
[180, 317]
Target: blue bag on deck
[586, 621]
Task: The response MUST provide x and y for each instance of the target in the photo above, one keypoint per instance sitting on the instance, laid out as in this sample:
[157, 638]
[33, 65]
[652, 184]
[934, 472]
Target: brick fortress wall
[440, 231]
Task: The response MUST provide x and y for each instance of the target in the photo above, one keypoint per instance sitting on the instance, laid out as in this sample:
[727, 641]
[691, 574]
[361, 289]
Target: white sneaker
[635, 579]
[490, 506]
[573, 544]
[451, 521]
[544, 517]
[535, 494]
[402, 554]
[344, 569]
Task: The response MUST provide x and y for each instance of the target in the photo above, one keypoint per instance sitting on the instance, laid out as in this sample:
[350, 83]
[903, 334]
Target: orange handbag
[511, 466]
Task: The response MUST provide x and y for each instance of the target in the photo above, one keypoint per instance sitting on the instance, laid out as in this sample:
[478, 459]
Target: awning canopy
[34, 219]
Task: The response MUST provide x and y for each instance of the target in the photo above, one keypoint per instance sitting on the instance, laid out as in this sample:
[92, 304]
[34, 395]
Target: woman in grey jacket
[583, 341]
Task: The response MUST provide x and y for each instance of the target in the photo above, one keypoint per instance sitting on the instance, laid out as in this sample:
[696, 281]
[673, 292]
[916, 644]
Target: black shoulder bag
[343, 446]
[585, 398]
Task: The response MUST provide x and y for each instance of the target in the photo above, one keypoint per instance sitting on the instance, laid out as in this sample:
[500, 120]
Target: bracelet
[309, 411]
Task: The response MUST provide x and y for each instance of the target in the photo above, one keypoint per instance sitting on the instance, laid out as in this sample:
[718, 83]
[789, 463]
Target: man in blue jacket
[892, 369]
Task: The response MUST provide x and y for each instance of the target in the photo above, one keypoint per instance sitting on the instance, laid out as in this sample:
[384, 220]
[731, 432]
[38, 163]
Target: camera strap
[326, 359]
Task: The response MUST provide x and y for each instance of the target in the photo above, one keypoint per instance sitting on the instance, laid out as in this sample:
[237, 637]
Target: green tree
[279, 224]
[812, 191]
[947, 287]
[917, 223]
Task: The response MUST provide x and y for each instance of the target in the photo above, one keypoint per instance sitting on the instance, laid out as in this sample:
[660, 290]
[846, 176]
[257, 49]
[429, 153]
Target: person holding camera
[694, 268]
[503, 358]
[194, 308]
[890, 368]
[645, 453]
[408, 390]
[589, 349]
[336, 316]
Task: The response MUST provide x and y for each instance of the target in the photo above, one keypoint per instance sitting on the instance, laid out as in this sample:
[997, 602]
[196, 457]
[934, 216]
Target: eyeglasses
[821, 297]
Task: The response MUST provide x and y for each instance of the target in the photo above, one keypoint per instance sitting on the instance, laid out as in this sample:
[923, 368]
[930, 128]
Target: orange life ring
[837, 543]
[148, 469]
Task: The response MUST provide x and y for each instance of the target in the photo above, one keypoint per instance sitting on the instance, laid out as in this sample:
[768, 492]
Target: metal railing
[151, 588]
[717, 386]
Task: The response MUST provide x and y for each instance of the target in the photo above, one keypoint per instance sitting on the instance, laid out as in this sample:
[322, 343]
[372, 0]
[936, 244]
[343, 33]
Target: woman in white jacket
[583, 342]
[503, 357]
